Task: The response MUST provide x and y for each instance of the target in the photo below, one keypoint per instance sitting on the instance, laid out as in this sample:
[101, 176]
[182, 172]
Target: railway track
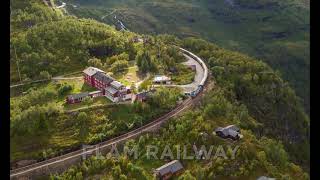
[60, 163]
[53, 162]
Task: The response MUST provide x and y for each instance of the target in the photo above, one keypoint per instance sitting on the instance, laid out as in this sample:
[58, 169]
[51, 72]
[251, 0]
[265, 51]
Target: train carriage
[205, 74]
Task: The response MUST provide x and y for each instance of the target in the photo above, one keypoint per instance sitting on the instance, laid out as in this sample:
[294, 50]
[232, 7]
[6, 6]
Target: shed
[166, 171]
[161, 79]
[230, 131]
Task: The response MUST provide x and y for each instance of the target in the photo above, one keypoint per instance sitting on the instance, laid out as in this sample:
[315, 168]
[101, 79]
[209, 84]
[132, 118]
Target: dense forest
[275, 31]
[45, 42]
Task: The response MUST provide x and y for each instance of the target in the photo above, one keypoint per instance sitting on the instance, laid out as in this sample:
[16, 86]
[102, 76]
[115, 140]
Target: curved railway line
[60, 163]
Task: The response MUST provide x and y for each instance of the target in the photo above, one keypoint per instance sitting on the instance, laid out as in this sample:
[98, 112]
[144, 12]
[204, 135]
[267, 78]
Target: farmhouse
[166, 171]
[106, 85]
[231, 131]
[109, 87]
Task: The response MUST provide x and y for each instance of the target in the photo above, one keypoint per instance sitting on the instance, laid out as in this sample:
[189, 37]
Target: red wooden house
[108, 86]
[88, 75]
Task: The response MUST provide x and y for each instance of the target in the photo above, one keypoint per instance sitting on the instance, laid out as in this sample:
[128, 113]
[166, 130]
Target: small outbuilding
[162, 79]
[231, 131]
[76, 98]
[166, 171]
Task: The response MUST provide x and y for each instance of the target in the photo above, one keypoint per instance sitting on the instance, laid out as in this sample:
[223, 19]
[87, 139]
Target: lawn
[131, 75]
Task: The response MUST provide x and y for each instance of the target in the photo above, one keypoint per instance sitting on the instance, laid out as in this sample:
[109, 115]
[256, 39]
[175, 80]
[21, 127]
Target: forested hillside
[275, 31]
[246, 92]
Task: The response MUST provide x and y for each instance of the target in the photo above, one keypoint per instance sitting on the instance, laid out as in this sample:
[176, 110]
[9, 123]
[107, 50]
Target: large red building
[109, 87]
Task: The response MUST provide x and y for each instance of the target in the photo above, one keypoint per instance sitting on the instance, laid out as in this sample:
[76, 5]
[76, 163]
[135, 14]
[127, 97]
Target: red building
[109, 87]
[102, 81]
[88, 75]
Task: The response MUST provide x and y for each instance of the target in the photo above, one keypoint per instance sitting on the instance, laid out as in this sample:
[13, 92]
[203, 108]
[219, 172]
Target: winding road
[60, 163]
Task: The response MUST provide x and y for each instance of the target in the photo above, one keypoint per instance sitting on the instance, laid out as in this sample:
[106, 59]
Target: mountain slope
[248, 93]
[275, 31]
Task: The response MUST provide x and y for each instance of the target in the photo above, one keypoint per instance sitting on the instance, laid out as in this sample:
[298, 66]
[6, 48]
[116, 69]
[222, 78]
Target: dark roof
[77, 96]
[173, 166]
[103, 77]
[111, 90]
[145, 94]
[142, 94]
[230, 130]
[232, 133]
[116, 84]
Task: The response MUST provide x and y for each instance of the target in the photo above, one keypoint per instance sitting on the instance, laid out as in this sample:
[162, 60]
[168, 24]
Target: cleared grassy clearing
[129, 76]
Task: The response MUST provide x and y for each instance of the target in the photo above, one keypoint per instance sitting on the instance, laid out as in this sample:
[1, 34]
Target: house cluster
[106, 85]
[168, 170]
[231, 131]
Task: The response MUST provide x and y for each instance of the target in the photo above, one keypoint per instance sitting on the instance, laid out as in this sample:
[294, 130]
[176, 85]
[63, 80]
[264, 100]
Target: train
[205, 74]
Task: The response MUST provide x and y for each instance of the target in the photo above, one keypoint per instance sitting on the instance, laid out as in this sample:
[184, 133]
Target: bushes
[95, 62]
[96, 165]
[267, 97]
[275, 152]
[33, 120]
[33, 97]
[64, 89]
[45, 75]
[145, 62]
[119, 66]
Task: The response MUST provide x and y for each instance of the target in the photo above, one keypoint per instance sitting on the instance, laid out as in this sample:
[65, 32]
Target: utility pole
[15, 52]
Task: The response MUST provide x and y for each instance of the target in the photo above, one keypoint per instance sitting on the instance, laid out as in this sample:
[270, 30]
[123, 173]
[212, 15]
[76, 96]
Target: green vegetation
[57, 44]
[40, 126]
[268, 98]
[247, 92]
[184, 75]
[275, 31]
[256, 156]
